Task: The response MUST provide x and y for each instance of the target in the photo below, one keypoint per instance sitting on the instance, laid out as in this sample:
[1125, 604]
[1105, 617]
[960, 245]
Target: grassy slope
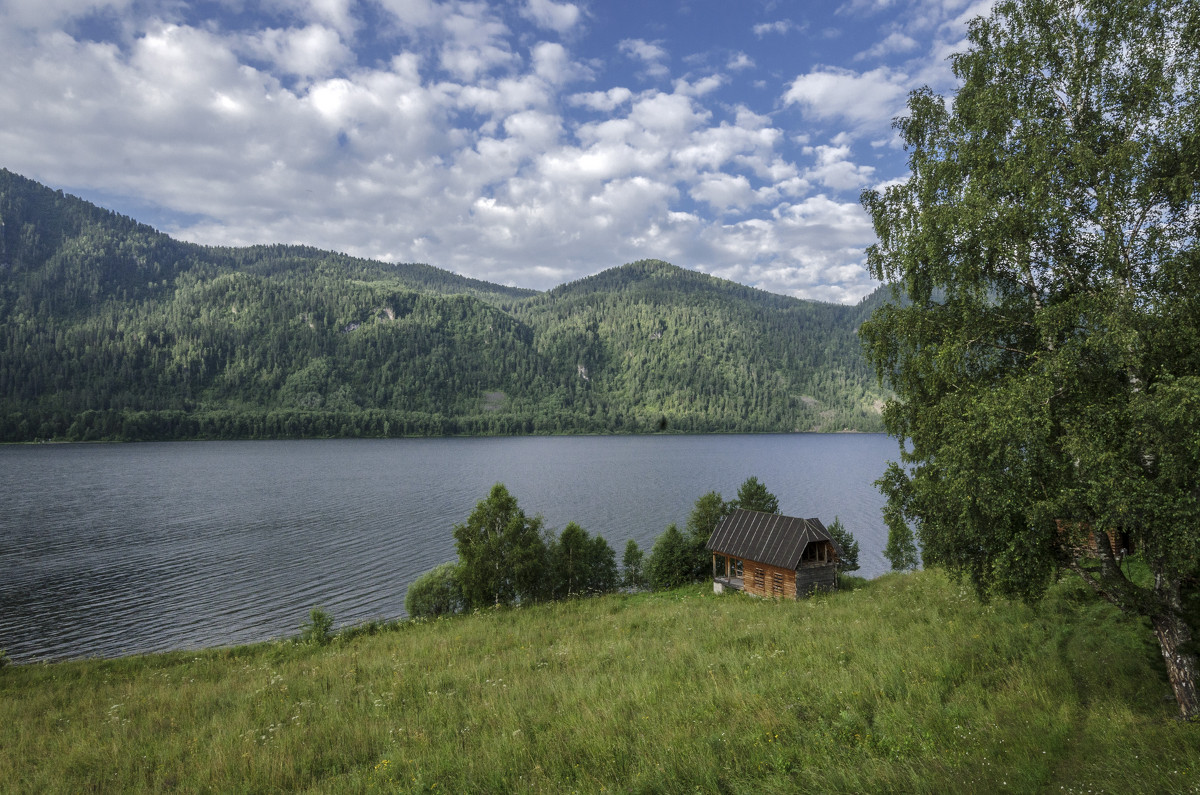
[905, 684]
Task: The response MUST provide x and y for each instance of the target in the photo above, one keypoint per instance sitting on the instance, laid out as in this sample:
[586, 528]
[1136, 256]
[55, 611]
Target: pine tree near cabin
[1046, 362]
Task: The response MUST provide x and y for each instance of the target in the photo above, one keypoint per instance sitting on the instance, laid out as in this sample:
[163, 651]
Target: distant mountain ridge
[114, 330]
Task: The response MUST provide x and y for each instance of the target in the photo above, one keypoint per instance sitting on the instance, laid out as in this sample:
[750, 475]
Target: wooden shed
[766, 554]
[1079, 539]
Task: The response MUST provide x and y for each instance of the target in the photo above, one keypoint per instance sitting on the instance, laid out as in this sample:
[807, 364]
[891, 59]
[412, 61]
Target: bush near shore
[903, 684]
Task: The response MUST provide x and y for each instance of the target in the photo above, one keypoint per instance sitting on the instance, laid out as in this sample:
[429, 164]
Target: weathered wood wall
[1079, 538]
[821, 577]
[762, 579]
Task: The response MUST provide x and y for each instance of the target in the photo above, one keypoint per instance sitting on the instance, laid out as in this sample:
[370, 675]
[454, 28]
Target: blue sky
[529, 142]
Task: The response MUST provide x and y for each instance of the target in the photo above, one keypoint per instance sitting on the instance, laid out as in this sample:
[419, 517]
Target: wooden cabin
[1078, 539]
[766, 554]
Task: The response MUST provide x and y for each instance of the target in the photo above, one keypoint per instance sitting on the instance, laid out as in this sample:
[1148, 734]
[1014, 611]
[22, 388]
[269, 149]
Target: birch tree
[1044, 344]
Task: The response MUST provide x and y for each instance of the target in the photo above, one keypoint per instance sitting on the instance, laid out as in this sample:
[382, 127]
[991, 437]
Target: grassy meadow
[902, 684]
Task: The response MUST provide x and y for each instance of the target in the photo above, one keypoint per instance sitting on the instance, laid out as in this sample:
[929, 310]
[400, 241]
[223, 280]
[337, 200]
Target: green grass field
[902, 684]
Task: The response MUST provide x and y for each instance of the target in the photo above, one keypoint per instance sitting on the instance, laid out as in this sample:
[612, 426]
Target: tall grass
[904, 684]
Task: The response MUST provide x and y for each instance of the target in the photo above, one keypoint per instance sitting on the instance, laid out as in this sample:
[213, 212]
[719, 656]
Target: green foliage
[502, 557]
[901, 547]
[114, 331]
[753, 496]
[435, 593]
[848, 560]
[578, 564]
[602, 571]
[672, 561]
[706, 514]
[633, 574]
[1045, 336]
[569, 566]
[317, 630]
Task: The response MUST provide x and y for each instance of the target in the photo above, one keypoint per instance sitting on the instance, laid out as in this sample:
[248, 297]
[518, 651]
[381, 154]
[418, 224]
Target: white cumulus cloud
[464, 136]
[312, 51]
[559, 17]
[865, 99]
[651, 55]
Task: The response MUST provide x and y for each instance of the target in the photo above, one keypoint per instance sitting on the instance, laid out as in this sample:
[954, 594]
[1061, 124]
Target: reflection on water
[118, 549]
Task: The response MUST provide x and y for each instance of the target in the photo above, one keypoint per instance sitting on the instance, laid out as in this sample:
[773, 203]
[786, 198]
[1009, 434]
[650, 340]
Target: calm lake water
[119, 549]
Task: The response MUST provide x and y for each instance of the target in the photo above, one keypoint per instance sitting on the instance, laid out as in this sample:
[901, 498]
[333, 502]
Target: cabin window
[777, 583]
[760, 579]
[816, 553]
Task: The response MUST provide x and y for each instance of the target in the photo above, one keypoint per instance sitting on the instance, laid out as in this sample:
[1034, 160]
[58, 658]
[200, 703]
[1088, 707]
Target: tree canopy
[502, 557]
[579, 564]
[506, 558]
[706, 514]
[848, 559]
[113, 331]
[435, 593]
[633, 573]
[753, 496]
[1044, 343]
[671, 562]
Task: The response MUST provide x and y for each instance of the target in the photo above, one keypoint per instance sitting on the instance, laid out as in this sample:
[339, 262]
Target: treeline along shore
[566, 677]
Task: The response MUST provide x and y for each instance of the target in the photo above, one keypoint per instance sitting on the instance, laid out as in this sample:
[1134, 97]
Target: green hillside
[116, 331]
[905, 684]
[653, 340]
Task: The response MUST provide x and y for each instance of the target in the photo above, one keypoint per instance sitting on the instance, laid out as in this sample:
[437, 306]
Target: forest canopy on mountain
[114, 331]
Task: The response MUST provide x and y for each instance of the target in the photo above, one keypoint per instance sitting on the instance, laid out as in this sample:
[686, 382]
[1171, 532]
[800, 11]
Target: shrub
[437, 592]
[317, 630]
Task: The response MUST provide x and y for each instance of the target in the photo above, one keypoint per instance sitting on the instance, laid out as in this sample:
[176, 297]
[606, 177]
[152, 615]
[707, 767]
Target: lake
[118, 549]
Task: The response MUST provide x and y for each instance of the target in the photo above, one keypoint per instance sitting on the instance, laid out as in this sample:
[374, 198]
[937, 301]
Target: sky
[527, 142]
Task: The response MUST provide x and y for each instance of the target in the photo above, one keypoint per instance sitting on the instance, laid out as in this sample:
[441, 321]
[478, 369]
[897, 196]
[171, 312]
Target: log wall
[822, 577]
[762, 579]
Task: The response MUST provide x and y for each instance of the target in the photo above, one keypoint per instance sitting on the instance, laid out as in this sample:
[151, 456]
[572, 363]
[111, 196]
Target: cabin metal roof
[766, 537]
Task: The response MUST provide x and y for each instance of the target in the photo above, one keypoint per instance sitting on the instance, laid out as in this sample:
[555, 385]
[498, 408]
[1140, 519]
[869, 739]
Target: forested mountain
[112, 330]
[650, 340]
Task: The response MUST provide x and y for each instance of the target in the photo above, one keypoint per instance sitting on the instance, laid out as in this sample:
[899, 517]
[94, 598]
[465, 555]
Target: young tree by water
[567, 562]
[708, 512]
[633, 574]
[318, 627]
[848, 560]
[602, 574]
[671, 561]
[753, 496]
[579, 564]
[1046, 355]
[502, 557]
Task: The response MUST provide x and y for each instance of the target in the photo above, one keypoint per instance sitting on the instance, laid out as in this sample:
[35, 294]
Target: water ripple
[119, 549]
